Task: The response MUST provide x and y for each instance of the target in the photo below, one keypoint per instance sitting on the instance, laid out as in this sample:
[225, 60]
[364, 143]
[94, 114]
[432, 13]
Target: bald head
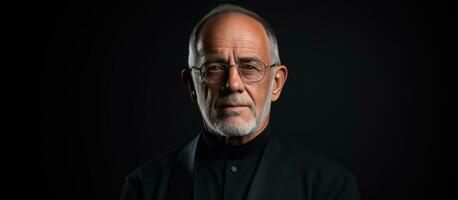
[240, 33]
[222, 17]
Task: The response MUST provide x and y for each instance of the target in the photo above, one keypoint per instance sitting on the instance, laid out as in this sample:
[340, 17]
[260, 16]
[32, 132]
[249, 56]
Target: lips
[232, 105]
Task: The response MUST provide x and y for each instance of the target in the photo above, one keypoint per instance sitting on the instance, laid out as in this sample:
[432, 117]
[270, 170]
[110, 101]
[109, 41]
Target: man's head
[238, 48]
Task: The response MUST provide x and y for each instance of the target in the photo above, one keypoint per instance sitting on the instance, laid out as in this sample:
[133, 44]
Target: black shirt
[282, 174]
[225, 171]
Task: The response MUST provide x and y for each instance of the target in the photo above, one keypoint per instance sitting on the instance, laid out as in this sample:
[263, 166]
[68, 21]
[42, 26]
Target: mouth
[231, 110]
[233, 106]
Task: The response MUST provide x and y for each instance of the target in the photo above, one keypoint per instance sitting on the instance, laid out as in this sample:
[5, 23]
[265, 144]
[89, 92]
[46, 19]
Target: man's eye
[249, 67]
[215, 68]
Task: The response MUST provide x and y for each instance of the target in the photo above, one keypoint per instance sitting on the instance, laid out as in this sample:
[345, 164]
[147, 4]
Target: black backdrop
[93, 91]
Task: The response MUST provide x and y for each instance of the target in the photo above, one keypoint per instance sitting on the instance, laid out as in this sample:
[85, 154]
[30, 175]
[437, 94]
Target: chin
[234, 127]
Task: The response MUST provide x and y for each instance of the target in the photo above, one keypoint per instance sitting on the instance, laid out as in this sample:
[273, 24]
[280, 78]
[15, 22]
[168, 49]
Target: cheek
[259, 97]
[262, 102]
[208, 96]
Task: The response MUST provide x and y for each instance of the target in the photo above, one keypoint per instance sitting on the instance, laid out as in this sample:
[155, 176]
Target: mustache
[238, 100]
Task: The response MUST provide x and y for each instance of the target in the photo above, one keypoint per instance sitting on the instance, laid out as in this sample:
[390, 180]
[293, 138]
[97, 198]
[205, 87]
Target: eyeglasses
[249, 72]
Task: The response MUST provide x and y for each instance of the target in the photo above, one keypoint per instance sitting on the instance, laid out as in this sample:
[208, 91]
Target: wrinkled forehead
[232, 31]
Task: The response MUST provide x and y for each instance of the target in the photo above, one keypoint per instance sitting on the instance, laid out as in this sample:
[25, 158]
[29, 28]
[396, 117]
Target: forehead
[232, 31]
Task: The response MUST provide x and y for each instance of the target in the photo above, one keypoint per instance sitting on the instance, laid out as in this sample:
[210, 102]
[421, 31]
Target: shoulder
[328, 177]
[143, 180]
[157, 171]
[155, 167]
[317, 163]
[307, 161]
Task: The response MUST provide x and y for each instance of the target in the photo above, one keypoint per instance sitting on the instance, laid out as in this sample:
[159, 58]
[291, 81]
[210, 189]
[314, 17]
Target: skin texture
[231, 38]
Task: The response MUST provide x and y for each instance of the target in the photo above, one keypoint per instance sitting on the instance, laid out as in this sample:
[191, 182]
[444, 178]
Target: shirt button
[234, 169]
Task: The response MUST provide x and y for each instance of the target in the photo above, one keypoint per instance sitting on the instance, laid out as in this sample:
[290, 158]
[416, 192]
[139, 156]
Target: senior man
[234, 74]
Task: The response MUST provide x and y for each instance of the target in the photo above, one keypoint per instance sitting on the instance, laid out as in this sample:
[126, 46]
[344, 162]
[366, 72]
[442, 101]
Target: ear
[187, 80]
[281, 74]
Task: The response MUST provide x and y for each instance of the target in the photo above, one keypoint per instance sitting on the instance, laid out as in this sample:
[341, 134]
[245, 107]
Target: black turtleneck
[225, 171]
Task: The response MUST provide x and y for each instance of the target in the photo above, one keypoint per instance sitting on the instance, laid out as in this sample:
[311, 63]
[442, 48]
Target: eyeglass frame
[227, 68]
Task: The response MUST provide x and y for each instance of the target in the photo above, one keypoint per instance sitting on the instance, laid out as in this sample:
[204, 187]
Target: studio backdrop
[98, 90]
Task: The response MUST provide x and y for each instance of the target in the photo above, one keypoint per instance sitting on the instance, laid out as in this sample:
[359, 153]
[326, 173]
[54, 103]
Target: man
[234, 75]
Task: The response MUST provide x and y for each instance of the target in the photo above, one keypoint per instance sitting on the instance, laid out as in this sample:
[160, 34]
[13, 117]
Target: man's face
[232, 107]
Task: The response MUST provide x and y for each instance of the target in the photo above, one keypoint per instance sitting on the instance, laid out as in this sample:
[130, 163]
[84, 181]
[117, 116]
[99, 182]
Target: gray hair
[229, 8]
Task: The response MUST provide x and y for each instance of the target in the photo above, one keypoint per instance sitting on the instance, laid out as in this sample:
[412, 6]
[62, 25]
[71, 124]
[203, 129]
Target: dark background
[93, 91]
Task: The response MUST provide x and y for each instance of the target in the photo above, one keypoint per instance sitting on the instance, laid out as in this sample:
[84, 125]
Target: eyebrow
[215, 59]
[248, 59]
[224, 60]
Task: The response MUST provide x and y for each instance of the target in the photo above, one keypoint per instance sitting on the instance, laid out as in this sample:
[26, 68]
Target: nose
[234, 82]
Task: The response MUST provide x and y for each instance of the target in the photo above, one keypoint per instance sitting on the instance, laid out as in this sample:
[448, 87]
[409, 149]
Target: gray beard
[231, 129]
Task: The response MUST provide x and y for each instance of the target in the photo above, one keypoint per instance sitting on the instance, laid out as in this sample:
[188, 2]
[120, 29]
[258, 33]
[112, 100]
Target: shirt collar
[214, 145]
